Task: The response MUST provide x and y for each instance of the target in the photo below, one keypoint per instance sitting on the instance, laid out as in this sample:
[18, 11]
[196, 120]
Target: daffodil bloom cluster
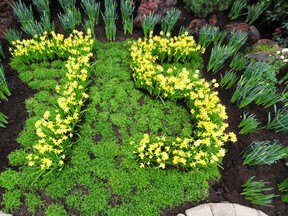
[49, 46]
[56, 128]
[205, 146]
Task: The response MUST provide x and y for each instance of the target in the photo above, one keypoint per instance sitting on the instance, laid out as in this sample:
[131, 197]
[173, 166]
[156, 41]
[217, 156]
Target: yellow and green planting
[83, 161]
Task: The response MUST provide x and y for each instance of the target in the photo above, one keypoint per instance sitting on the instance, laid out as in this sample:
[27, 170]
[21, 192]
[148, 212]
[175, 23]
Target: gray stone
[180, 214]
[200, 210]
[243, 210]
[266, 42]
[253, 34]
[4, 214]
[259, 56]
[222, 209]
[260, 213]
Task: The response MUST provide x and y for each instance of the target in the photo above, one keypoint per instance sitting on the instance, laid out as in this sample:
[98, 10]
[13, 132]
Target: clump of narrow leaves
[263, 152]
[254, 192]
[283, 187]
[248, 124]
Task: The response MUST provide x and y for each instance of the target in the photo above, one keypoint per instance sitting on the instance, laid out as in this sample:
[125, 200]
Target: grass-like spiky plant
[263, 152]
[109, 18]
[148, 23]
[249, 124]
[237, 8]
[169, 20]
[12, 35]
[127, 8]
[4, 92]
[70, 19]
[253, 191]
[279, 122]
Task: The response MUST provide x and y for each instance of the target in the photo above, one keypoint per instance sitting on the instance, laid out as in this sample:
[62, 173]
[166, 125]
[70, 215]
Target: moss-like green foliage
[34, 202]
[17, 158]
[9, 179]
[103, 175]
[56, 210]
[12, 200]
[202, 7]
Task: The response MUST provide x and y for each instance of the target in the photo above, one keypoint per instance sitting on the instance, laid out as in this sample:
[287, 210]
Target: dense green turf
[103, 174]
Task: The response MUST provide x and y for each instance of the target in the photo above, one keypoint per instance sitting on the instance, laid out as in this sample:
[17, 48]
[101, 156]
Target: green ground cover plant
[102, 173]
[202, 8]
[108, 151]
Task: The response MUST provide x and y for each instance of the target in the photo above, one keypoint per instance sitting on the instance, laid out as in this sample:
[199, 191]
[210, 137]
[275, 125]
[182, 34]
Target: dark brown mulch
[234, 174]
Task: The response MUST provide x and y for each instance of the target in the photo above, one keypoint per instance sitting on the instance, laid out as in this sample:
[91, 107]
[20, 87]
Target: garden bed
[123, 112]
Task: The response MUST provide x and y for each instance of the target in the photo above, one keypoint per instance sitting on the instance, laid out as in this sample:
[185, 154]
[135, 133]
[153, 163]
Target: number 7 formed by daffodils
[56, 127]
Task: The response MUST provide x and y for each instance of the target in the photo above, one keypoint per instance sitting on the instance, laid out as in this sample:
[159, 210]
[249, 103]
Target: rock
[253, 33]
[200, 210]
[6, 16]
[4, 214]
[148, 7]
[222, 209]
[238, 26]
[285, 52]
[213, 20]
[196, 24]
[263, 50]
[260, 213]
[158, 7]
[266, 42]
[180, 214]
[243, 210]
[259, 56]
